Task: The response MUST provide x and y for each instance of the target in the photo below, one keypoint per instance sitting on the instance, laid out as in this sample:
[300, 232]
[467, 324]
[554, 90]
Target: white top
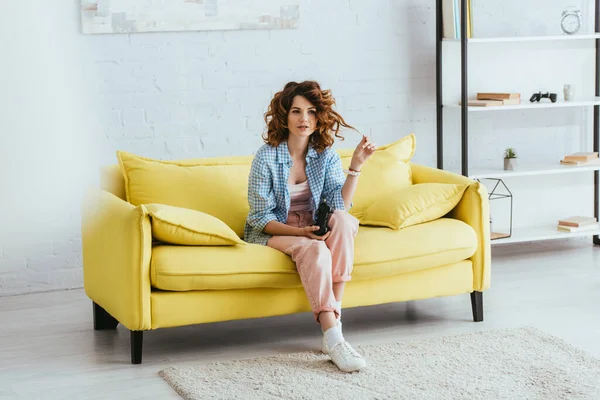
[300, 196]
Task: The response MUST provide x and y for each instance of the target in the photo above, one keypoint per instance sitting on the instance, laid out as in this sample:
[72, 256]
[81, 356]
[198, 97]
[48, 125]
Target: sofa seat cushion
[183, 268]
[379, 252]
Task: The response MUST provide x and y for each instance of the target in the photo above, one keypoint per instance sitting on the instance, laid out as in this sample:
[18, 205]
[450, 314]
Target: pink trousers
[321, 263]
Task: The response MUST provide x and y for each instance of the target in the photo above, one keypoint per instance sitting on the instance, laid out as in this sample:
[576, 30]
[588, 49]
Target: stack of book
[495, 99]
[581, 158]
[577, 224]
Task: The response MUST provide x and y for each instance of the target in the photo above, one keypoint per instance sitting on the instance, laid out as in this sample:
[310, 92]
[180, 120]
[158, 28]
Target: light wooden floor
[48, 349]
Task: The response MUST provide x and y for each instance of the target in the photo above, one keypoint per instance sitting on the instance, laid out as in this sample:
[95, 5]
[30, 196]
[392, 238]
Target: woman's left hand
[362, 153]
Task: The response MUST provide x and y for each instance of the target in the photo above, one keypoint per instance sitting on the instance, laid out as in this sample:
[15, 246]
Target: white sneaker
[346, 358]
[324, 347]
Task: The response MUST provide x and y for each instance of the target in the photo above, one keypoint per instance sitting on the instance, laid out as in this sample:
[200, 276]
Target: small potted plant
[510, 159]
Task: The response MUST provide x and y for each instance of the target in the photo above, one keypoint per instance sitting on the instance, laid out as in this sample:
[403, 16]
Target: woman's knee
[320, 254]
[342, 220]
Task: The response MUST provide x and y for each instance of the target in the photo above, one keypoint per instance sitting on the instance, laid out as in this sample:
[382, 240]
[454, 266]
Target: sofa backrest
[219, 185]
[111, 177]
[111, 180]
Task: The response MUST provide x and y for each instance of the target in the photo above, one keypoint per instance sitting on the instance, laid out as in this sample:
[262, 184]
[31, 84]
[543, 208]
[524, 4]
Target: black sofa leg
[137, 338]
[477, 306]
[102, 319]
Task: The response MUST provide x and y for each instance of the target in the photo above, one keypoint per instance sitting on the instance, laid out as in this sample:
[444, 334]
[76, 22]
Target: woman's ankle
[327, 320]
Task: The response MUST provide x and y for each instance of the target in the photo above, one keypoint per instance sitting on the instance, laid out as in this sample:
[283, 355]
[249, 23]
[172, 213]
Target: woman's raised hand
[362, 153]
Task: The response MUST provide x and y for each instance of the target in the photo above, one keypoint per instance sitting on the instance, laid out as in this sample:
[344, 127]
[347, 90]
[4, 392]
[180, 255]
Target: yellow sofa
[143, 284]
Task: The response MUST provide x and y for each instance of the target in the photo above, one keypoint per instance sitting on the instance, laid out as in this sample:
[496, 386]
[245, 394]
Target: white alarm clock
[571, 20]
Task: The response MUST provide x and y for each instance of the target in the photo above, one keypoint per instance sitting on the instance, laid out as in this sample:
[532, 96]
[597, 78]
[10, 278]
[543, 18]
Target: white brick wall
[190, 94]
[195, 94]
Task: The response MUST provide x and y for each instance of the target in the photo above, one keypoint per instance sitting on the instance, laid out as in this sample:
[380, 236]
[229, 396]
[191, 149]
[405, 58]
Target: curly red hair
[328, 120]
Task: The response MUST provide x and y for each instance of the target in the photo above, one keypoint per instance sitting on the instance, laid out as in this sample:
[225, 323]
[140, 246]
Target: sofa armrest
[473, 209]
[117, 245]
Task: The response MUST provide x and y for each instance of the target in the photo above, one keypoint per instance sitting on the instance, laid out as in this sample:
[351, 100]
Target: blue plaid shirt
[268, 194]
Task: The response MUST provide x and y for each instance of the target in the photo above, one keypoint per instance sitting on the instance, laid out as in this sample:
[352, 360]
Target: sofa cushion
[215, 186]
[379, 252]
[183, 226]
[414, 204]
[183, 268]
[382, 252]
[387, 170]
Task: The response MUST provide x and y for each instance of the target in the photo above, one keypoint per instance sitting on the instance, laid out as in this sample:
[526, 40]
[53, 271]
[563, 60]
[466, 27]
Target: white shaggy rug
[522, 363]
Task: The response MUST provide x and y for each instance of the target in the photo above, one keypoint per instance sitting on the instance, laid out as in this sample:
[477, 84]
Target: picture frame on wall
[131, 16]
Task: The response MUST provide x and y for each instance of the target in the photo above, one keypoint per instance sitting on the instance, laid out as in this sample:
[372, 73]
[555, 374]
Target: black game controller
[323, 214]
[539, 95]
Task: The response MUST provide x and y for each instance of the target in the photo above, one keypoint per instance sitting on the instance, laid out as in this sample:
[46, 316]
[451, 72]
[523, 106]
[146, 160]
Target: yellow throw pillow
[217, 186]
[182, 226]
[387, 170]
[413, 205]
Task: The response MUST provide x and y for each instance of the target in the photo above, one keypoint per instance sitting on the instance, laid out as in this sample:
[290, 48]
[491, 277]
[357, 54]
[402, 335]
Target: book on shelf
[491, 102]
[498, 96]
[577, 223]
[482, 103]
[578, 163]
[573, 229]
[451, 13]
[581, 158]
[505, 98]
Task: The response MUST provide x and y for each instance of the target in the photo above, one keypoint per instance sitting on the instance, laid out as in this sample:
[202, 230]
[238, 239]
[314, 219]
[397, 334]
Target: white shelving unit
[539, 233]
[532, 169]
[590, 36]
[547, 231]
[526, 105]
[543, 232]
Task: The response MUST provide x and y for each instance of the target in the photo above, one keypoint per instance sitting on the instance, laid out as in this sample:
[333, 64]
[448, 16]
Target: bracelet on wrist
[352, 172]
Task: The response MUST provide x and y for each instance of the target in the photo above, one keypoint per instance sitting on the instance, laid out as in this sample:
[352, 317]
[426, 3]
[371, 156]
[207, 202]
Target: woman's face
[302, 118]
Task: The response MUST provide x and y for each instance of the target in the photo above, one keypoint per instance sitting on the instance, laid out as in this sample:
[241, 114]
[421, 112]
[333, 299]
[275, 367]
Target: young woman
[291, 174]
